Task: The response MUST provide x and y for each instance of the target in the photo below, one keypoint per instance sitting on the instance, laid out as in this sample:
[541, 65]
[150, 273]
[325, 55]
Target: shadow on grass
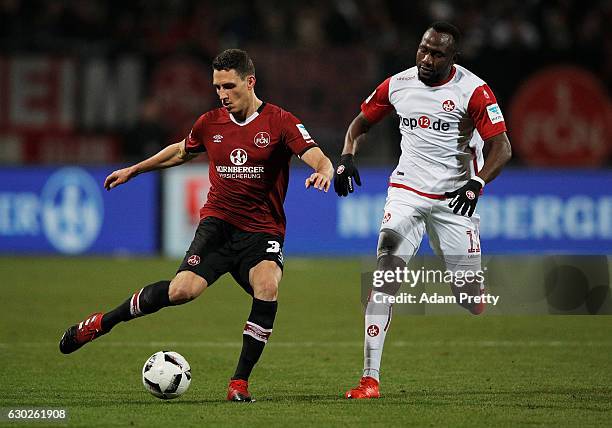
[587, 399]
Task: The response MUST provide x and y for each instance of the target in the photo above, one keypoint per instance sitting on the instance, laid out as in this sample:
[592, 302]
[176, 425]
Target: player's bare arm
[463, 200]
[346, 171]
[499, 153]
[321, 178]
[172, 155]
[355, 134]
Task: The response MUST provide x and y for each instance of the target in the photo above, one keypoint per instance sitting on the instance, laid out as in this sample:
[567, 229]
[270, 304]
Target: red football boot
[238, 390]
[368, 388]
[478, 308]
[79, 334]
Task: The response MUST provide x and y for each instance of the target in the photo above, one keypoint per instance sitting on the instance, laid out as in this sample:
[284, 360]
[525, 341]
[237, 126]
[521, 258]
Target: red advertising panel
[562, 117]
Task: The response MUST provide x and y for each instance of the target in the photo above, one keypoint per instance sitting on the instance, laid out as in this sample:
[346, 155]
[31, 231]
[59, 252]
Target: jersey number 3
[274, 247]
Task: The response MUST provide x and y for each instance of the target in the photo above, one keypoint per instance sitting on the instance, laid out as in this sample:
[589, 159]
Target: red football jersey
[249, 165]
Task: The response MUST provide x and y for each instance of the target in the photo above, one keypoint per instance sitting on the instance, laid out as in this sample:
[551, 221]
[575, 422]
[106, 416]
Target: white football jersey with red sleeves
[442, 128]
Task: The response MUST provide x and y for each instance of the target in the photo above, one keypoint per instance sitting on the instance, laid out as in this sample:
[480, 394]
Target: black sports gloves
[465, 198]
[345, 173]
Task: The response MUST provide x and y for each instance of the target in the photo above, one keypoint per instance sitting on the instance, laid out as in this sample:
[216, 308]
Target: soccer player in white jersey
[447, 115]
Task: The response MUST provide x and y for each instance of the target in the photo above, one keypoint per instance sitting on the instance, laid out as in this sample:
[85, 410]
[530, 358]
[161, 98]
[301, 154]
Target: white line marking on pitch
[280, 344]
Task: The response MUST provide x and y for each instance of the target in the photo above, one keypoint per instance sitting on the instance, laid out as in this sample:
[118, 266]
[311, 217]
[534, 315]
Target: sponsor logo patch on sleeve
[495, 114]
[304, 133]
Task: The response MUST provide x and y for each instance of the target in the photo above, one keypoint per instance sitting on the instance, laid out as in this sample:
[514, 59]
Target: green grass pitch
[437, 370]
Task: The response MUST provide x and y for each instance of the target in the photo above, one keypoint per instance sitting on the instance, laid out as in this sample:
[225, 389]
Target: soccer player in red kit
[242, 224]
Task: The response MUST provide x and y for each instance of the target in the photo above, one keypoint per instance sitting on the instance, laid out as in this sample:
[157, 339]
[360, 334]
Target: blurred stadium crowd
[562, 29]
[317, 58]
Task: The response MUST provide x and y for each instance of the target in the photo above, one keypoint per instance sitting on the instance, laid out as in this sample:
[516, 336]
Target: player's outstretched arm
[170, 156]
[463, 200]
[321, 178]
[346, 171]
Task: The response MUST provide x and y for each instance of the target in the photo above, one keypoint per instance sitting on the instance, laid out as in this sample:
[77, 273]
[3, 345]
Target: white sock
[377, 321]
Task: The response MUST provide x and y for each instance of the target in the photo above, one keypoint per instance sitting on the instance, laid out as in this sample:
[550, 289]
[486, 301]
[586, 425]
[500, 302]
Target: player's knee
[185, 288]
[264, 279]
[179, 293]
[388, 242]
[266, 289]
[390, 247]
[183, 293]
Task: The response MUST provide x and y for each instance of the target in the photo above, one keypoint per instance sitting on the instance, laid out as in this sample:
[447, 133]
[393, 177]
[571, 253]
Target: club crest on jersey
[217, 138]
[386, 217]
[238, 157]
[193, 260]
[373, 330]
[262, 139]
[448, 105]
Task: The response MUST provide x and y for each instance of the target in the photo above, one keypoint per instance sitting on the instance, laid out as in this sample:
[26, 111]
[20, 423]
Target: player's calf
[264, 279]
[255, 335]
[469, 296]
[145, 301]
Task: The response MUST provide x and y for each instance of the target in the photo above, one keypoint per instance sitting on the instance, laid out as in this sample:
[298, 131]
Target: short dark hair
[448, 28]
[235, 59]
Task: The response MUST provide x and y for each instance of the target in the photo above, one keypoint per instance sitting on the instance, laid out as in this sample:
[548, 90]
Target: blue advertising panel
[523, 211]
[67, 211]
[323, 223]
[548, 211]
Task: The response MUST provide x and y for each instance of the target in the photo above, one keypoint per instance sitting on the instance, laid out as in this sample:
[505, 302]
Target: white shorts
[453, 237]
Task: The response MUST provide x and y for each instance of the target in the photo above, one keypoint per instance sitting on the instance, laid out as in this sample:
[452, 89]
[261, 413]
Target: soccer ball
[166, 375]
